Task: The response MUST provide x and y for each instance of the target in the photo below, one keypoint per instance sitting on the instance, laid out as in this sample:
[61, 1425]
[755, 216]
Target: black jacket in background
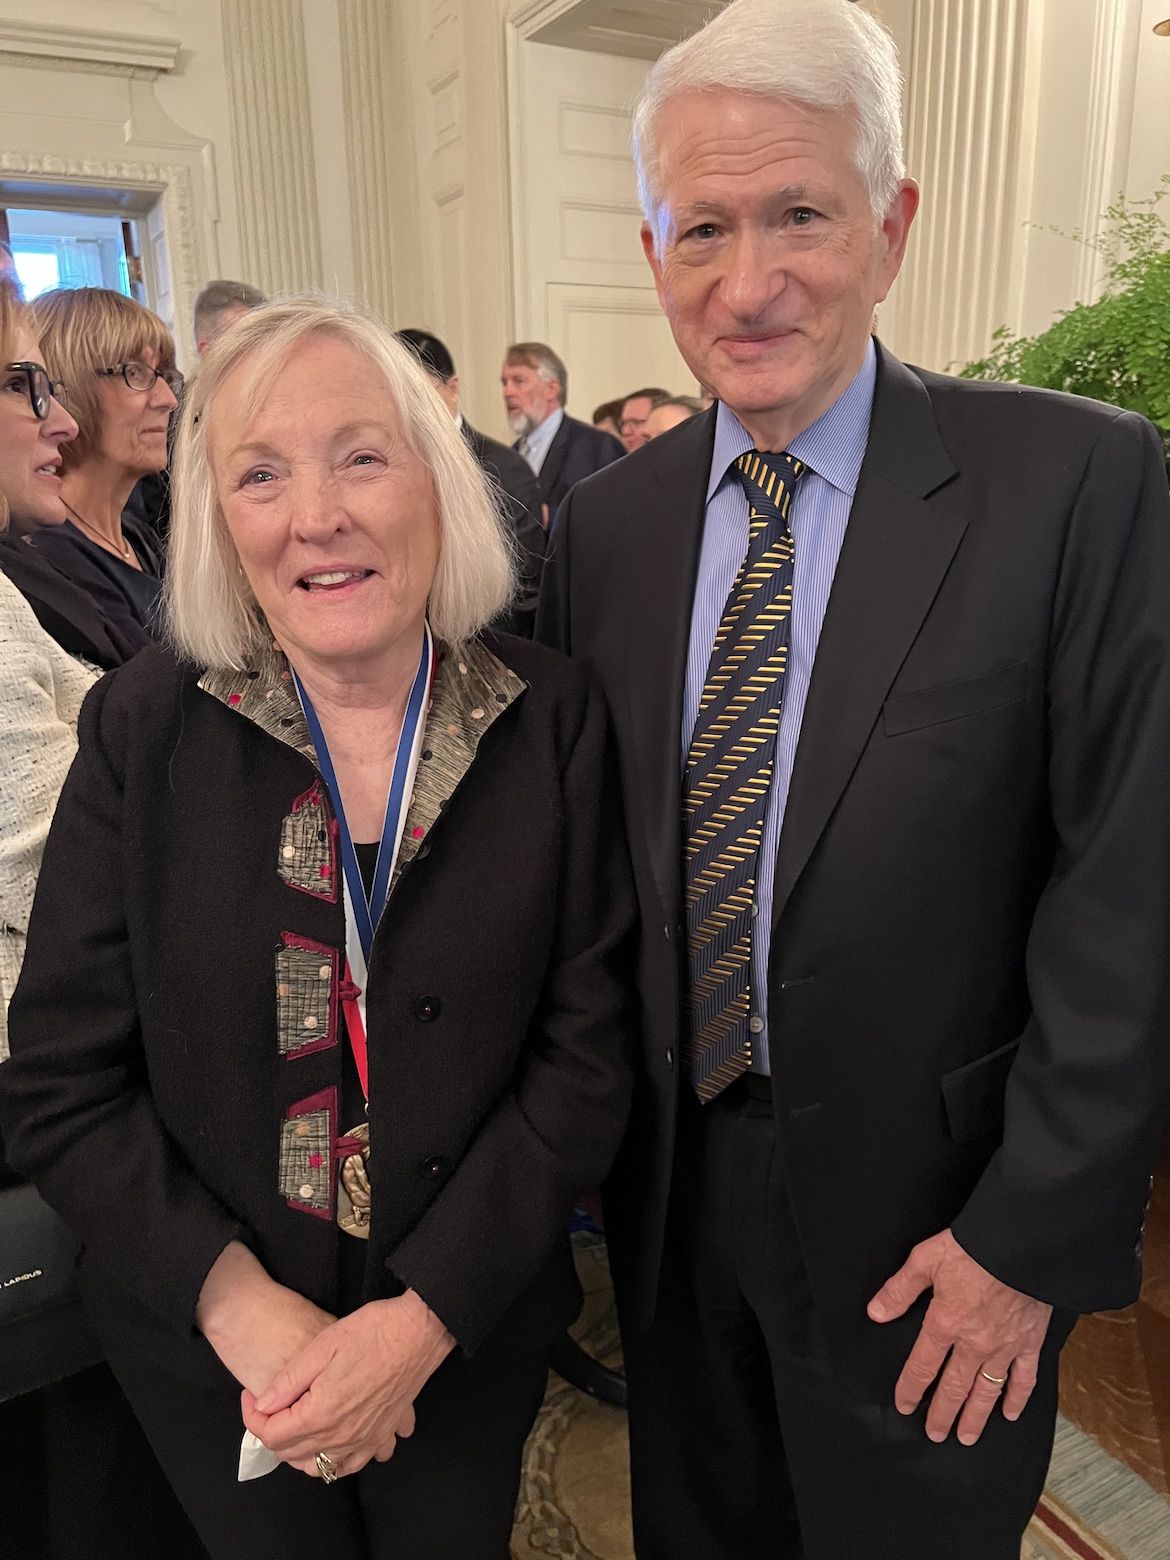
[126, 597]
[512, 474]
[66, 612]
[577, 450]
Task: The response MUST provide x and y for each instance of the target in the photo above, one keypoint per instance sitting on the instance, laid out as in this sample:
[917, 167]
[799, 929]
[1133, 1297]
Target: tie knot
[769, 480]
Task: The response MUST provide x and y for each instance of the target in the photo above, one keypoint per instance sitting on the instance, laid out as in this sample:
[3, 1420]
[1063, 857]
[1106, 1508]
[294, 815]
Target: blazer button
[670, 1057]
[432, 1169]
[426, 1008]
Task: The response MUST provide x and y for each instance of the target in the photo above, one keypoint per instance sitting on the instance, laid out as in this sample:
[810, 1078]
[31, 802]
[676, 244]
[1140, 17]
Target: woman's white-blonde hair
[822, 54]
[214, 619]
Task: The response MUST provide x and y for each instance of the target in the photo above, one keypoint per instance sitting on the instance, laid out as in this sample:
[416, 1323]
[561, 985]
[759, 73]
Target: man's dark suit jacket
[512, 474]
[967, 990]
[577, 451]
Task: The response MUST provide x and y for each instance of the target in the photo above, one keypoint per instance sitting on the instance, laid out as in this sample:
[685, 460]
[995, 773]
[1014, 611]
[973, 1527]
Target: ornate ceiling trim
[121, 51]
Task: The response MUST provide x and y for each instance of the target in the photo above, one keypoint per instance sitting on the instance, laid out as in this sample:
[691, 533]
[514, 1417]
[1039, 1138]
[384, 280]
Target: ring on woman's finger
[996, 1381]
[327, 1468]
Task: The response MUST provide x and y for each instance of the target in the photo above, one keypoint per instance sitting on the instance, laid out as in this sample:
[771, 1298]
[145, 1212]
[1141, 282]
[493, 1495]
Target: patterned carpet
[574, 1494]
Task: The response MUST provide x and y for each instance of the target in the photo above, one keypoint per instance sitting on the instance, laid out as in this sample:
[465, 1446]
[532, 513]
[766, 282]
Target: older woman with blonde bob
[324, 1012]
[118, 360]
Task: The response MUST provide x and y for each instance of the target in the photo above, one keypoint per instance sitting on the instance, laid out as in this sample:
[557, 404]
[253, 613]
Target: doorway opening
[73, 249]
[63, 234]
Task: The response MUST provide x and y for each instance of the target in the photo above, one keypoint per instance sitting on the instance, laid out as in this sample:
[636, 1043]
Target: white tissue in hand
[255, 1458]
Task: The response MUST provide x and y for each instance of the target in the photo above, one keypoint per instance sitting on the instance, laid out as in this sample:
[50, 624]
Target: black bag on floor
[44, 1335]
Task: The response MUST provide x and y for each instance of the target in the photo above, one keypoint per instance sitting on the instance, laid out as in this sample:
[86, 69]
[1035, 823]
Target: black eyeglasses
[39, 388]
[140, 376]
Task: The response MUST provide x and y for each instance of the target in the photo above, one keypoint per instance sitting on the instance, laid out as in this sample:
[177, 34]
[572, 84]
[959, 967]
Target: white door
[582, 283]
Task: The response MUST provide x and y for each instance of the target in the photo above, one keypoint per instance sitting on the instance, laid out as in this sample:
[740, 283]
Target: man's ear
[896, 232]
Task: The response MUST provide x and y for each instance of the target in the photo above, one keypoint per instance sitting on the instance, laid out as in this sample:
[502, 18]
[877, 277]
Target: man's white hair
[821, 54]
[214, 618]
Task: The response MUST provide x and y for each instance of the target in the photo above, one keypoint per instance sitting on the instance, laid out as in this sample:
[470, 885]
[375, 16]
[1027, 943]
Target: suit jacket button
[426, 1008]
[670, 1057]
[432, 1169]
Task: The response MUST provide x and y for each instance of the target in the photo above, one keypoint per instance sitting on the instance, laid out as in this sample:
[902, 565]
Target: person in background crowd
[507, 470]
[559, 449]
[607, 415]
[76, 1475]
[368, 1239]
[668, 412]
[118, 360]
[34, 426]
[219, 305]
[632, 419]
[905, 641]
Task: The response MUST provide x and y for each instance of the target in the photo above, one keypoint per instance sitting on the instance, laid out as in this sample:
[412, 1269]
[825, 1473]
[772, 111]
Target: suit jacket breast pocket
[955, 700]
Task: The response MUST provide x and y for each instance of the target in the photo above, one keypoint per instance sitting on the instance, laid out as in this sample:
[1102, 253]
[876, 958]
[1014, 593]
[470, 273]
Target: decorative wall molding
[965, 130]
[369, 156]
[170, 182]
[268, 89]
[610, 131]
[124, 52]
[638, 29]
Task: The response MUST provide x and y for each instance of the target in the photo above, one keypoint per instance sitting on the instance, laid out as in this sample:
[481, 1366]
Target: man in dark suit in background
[905, 640]
[558, 448]
[507, 470]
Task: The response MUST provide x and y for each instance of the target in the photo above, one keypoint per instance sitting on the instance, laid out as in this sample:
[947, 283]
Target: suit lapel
[665, 539]
[898, 546]
[554, 461]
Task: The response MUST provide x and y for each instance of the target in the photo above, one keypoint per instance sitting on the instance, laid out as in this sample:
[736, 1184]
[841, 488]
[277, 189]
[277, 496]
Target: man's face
[633, 425]
[528, 398]
[222, 322]
[769, 260]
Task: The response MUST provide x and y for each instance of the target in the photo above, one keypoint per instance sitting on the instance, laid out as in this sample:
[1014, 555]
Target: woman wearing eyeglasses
[118, 360]
[34, 428]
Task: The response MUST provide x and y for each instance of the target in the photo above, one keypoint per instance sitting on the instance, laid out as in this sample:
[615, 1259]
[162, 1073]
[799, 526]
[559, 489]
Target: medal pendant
[353, 1185]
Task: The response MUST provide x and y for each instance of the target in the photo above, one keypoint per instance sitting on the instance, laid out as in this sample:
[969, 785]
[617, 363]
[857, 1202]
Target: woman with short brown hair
[119, 362]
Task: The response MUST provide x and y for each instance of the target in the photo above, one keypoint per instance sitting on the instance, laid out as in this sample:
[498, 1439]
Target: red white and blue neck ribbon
[363, 913]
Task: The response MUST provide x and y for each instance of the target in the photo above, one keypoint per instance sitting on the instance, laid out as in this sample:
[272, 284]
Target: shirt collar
[545, 432]
[833, 446]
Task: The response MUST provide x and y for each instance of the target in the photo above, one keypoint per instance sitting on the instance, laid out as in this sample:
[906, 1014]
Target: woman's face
[333, 517]
[132, 424]
[30, 450]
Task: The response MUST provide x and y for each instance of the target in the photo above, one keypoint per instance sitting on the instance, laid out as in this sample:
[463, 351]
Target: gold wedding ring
[326, 1467]
[996, 1381]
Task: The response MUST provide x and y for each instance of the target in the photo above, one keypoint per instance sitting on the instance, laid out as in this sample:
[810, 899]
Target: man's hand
[988, 1329]
[351, 1391]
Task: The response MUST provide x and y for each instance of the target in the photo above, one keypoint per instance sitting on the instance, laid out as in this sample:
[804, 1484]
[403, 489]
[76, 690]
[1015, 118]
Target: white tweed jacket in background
[41, 689]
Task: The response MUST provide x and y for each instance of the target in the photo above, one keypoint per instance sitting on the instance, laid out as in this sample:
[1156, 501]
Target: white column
[968, 90]
[365, 46]
[268, 84]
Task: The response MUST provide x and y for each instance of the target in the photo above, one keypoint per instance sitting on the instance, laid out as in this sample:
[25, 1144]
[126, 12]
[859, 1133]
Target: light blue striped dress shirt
[535, 446]
[832, 449]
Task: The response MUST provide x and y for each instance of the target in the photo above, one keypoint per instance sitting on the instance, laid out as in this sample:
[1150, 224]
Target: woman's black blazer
[176, 1043]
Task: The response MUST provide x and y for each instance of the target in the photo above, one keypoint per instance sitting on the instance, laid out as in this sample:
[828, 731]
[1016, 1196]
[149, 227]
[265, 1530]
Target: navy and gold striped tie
[728, 776]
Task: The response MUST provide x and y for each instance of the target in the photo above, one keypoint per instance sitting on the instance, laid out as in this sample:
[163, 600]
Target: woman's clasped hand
[351, 1389]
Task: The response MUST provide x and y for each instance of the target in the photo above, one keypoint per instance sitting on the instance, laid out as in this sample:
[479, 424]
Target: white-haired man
[906, 640]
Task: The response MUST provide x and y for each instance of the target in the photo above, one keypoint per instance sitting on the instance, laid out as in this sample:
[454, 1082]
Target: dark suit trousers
[744, 1442]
